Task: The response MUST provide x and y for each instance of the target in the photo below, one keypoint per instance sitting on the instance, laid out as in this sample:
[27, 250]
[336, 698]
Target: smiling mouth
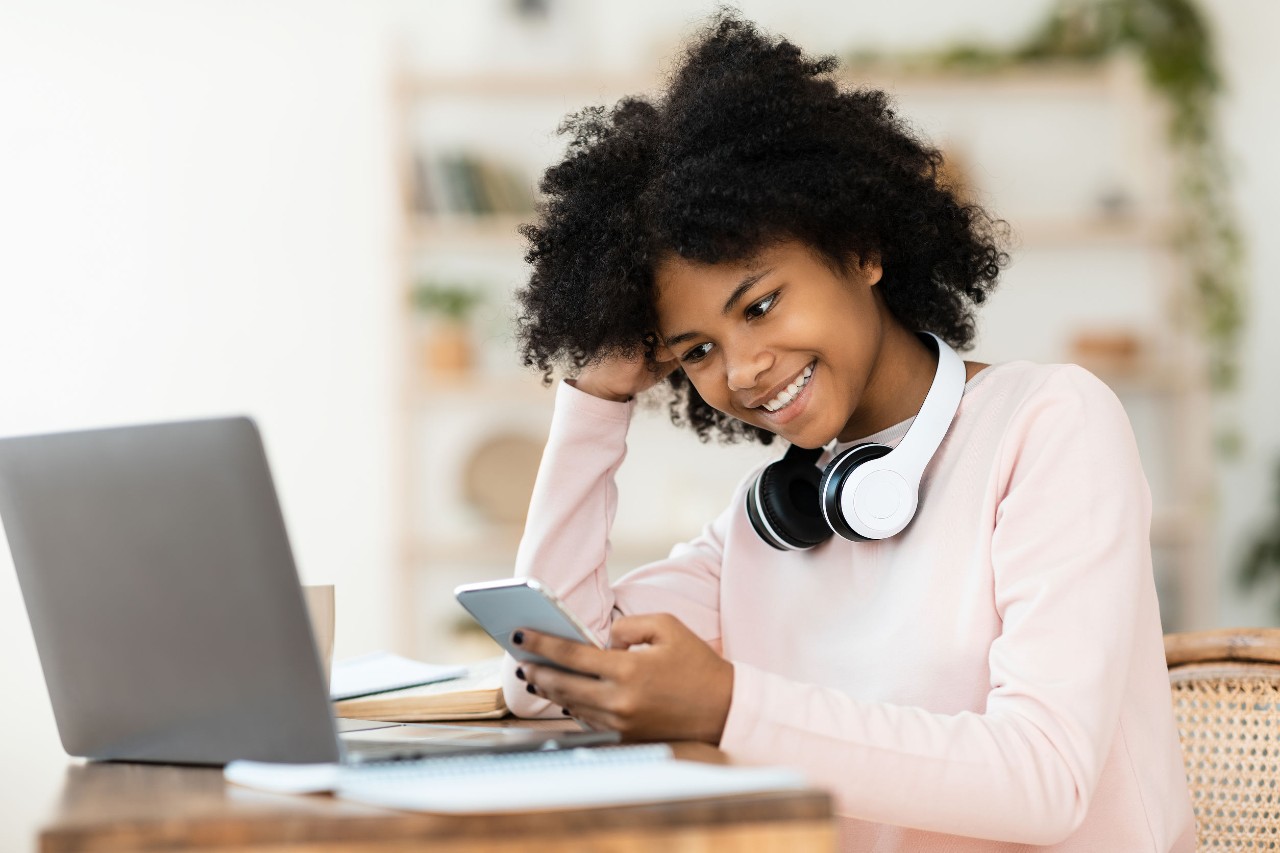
[788, 394]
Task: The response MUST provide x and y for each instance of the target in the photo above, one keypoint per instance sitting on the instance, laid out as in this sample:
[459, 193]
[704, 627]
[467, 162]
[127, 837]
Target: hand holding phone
[503, 606]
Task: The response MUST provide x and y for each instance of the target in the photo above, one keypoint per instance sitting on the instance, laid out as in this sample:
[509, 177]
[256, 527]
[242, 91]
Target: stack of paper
[569, 778]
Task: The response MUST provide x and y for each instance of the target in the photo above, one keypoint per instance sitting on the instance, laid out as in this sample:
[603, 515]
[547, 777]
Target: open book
[475, 696]
[520, 781]
[379, 672]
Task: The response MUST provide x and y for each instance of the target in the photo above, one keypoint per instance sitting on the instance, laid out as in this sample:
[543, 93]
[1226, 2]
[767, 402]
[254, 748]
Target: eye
[764, 306]
[697, 354]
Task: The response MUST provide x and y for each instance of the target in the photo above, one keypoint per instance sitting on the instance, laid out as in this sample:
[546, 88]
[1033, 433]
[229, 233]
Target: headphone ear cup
[832, 484]
[784, 506]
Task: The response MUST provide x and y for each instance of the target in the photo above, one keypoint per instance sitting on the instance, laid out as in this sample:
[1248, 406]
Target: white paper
[379, 672]
[566, 787]
[284, 778]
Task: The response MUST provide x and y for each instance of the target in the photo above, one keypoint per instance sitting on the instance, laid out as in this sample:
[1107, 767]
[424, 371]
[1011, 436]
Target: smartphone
[503, 606]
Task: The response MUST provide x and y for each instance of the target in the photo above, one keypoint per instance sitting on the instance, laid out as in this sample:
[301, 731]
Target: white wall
[196, 218]
[1247, 487]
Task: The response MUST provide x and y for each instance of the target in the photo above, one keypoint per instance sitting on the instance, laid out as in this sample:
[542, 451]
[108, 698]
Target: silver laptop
[166, 607]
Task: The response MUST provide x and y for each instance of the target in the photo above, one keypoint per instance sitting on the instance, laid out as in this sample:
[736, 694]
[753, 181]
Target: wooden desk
[135, 807]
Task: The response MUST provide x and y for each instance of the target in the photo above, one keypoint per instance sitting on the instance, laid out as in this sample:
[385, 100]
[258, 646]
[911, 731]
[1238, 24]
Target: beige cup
[320, 608]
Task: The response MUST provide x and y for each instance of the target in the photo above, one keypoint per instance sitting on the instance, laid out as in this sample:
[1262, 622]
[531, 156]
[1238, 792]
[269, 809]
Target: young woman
[982, 673]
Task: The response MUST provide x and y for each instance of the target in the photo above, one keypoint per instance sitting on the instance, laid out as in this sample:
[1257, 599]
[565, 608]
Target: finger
[630, 631]
[566, 653]
[566, 689]
[596, 720]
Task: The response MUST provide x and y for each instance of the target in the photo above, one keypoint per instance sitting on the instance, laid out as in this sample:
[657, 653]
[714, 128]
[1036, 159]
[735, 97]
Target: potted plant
[1261, 564]
[448, 349]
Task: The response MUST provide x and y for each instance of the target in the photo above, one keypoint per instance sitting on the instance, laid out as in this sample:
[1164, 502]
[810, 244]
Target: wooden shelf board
[481, 386]
[1144, 376]
[1045, 79]
[1099, 231]
[499, 546]
[434, 232]
[437, 232]
[511, 85]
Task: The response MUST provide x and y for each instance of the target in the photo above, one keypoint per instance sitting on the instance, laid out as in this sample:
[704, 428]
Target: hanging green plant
[1172, 42]
[1262, 558]
[1174, 45]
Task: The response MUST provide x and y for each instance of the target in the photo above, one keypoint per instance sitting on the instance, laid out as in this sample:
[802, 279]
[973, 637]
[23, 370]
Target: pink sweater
[994, 672]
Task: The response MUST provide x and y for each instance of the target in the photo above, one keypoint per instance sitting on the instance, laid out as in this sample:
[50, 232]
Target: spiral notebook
[526, 781]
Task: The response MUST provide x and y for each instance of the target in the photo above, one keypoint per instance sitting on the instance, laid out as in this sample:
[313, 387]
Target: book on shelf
[468, 184]
[477, 695]
[520, 781]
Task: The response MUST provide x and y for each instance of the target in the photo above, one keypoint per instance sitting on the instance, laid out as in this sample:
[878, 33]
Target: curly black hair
[752, 142]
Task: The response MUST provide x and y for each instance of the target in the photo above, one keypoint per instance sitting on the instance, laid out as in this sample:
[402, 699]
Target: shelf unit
[1167, 379]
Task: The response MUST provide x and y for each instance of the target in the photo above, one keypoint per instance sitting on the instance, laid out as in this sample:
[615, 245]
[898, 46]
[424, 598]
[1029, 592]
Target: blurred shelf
[1145, 376]
[1093, 232]
[512, 85]
[1170, 392]
[487, 232]
[518, 387]
[1169, 528]
[1174, 527]
[498, 546]
[444, 232]
[1071, 79]
[1048, 79]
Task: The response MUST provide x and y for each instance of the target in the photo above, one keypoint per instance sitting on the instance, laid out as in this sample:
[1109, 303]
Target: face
[781, 341]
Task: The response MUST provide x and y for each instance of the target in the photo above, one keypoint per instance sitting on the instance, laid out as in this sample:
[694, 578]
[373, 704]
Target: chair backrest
[1226, 699]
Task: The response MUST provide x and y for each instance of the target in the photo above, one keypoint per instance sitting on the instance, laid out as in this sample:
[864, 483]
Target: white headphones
[870, 491]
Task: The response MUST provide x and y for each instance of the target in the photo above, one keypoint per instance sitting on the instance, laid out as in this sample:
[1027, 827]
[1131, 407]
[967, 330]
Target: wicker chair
[1226, 698]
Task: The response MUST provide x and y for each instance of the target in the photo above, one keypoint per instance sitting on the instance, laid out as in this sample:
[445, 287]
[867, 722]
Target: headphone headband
[869, 491]
[878, 498]
[936, 412]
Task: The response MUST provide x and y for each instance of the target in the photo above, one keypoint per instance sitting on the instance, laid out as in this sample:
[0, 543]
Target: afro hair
[750, 143]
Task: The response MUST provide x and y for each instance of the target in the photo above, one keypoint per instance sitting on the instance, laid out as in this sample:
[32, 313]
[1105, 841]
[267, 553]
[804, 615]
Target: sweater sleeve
[1070, 555]
[566, 538]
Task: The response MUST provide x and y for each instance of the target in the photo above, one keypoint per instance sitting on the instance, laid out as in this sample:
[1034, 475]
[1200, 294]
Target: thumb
[637, 630]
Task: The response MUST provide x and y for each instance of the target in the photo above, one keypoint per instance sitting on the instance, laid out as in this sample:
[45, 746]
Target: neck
[899, 380]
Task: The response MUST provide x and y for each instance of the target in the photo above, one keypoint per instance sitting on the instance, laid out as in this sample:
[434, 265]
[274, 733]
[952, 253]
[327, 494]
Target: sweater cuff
[750, 694]
[571, 399]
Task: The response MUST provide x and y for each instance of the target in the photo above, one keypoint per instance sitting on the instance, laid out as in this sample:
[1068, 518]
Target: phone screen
[501, 607]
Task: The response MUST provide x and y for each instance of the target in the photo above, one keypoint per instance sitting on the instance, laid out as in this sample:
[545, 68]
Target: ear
[871, 268]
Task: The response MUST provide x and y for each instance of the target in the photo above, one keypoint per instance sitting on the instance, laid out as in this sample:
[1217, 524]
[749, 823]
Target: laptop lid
[163, 595]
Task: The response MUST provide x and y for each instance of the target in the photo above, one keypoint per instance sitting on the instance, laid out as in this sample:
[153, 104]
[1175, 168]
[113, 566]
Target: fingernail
[566, 712]
[529, 687]
[517, 637]
[520, 673]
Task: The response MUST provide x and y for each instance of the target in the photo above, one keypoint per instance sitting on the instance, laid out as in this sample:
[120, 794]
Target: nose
[744, 365]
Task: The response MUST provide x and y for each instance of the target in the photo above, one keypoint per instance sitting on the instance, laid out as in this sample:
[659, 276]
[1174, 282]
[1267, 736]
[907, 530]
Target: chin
[805, 439]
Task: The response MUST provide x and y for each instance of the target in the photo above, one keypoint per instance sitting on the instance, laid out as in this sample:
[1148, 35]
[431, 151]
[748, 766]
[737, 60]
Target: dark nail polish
[529, 687]
[517, 637]
[566, 712]
[520, 673]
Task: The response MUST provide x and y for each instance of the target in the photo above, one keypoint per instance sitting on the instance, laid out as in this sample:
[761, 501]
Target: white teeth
[790, 392]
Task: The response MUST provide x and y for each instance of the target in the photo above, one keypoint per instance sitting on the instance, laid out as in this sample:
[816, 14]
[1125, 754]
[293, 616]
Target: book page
[379, 672]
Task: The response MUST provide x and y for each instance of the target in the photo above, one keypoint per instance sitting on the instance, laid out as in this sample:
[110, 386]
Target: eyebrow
[738, 292]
